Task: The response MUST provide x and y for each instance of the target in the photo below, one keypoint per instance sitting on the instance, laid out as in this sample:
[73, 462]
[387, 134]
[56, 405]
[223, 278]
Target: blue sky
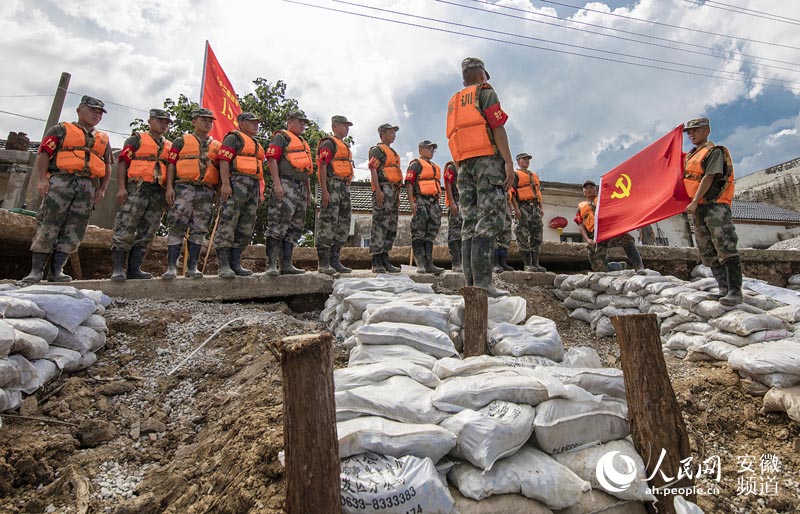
[579, 117]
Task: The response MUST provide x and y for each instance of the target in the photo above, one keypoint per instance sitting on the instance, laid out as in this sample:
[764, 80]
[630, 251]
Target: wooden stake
[476, 320]
[309, 424]
[211, 240]
[75, 263]
[656, 420]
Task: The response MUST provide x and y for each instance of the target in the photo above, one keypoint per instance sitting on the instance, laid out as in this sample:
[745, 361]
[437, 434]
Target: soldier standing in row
[335, 168]
[386, 178]
[423, 186]
[527, 202]
[192, 176]
[290, 166]
[500, 254]
[454, 220]
[241, 169]
[141, 173]
[73, 168]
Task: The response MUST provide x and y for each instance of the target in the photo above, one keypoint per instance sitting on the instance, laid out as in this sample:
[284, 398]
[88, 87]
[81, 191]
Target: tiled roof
[756, 211]
[361, 199]
[33, 146]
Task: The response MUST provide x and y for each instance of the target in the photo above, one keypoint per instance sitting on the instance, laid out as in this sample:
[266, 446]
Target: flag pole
[203, 80]
[597, 213]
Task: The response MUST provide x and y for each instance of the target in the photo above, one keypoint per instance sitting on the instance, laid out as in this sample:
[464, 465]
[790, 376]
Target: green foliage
[181, 114]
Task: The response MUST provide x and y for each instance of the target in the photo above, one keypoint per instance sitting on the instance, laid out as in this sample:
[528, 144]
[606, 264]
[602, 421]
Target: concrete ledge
[528, 278]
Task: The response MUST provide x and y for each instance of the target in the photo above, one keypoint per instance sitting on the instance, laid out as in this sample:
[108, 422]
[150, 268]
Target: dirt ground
[207, 438]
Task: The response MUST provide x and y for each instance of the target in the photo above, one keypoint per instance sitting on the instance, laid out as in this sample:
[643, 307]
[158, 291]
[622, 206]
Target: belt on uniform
[299, 180]
[195, 183]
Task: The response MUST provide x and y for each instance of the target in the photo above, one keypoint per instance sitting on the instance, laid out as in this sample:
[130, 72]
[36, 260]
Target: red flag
[645, 189]
[219, 96]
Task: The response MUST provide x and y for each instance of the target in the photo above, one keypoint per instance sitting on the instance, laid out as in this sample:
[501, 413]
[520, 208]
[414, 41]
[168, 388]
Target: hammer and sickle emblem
[623, 185]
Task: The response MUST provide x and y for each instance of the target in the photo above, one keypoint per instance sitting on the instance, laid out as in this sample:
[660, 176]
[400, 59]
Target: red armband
[578, 218]
[495, 116]
[411, 176]
[172, 157]
[226, 153]
[49, 145]
[274, 152]
[126, 154]
[324, 155]
[374, 163]
[448, 176]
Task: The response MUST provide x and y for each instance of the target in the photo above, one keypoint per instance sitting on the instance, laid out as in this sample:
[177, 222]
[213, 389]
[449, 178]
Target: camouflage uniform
[504, 239]
[334, 220]
[384, 219]
[529, 227]
[454, 222]
[193, 202]
[484, 205]
[288, 217]
[428, 218]
[237, 217]
[598, 253]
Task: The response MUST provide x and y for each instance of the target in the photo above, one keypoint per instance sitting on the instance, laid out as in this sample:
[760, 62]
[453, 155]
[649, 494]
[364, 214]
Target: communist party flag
[218, 96]
[645, 189]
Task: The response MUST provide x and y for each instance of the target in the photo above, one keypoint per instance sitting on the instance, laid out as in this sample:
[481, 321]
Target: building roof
[33, 146]
[756, 211]
[361, 199]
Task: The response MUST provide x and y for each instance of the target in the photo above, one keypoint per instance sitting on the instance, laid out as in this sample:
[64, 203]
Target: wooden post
[656, 420]
[309, 424]
[476, 320]
[75, 262]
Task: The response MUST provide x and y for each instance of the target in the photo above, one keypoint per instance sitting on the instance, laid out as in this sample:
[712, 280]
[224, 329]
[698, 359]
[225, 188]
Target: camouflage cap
[297, 114]
[473, 62]
[247, 116]
[203, 113]
[160, 113]
[589, 183]
[341, 119]
[697, 122]
[524, 155]
[92, 102]
[387, 126]
[428, 144]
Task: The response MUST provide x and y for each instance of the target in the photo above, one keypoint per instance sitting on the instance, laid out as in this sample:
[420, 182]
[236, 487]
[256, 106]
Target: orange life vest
[188, 166]
[468, 134]
[298, 153]
[147, 163]
[528, 186]
[429, 180]
[342, 162]
[75, 155]
[391, 170]
[453, 186]
[250, 159]
[693, 174]
[586, 210]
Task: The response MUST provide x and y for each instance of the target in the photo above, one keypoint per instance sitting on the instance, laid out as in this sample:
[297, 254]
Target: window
[571, 238]
[364, 242]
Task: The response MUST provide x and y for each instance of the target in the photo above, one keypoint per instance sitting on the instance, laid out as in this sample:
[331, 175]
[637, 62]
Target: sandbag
[414, 314]
[582, 314]
[539, 336]
[425, 339]
[83, 340]
[7, 338]
[679, 317]
[637, 282]
[46, 370]
[475, 392]
[604, 328]
[374, 483]
[508, 309]
[498, 430]
[12, 307]
[371, 374]
[761, 302]
[788, 313]
[776, 363]
[684, 506]
[582, 357]
[450, 367]
[584, 295]
[387, 437]
[756, 337]
[60, 309]
[744, 323]
[31, 346]
[694, 327]
[681, 341]
[599, 502]
[9, 400]
[368, 354]
[608, 381]
[529, 472]
[399, 398]
[630, 301]
[783, 400]
[498, 504]
[70, 360]
[701, 271]
[96, 322]
[26, 377]
[561, 294]
[717, 350]
[658, 287]
[704, 284]
[564, 425]
[35, 326]
[572, 303]
[569, 282]
[98, 297]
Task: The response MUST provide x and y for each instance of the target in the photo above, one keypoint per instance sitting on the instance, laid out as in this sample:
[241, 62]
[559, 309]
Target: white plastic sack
[46, 370]
[507, 309]
[371, 374]
[638, 282]
[399, 398]
[584, 295]
[26, 379]
[581, 313]
[684, 506]
[788, 313]
[744, 323]
[604, 328]
[539, 336]
[564, 425]
[608, 381]
[681, 341]
[715, 349]
[83, 340]
[387, 437]
[756, 337]
[9, 400]
[582, 357]
[702, 271]
[12, 307]
[783, 400]
[70, 360]
[598, 502]
[31, 346]
[572, 303]
[425, 339]
[368, 354]
[498, 504]
[450, 367]
[694, 327]
[475, 392]
[761, 360]
[7, 338]
[35, 326]
[98, 297]
[60, 309]
[413, 314]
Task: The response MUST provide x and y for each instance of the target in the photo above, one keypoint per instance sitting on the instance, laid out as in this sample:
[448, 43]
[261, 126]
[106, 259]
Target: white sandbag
[399, 398]
[710, 309]
[608, 381]
[572, 303]
[46, 370]
[450, 367]
[744, 323]
[476, 391]
[60, 309]
[581, 313]
[794, 280]
[7, 338]
[582, 357]
[563, 425]
[98, 297]
[357, 303]
[367, 354]
[349, 343]
[52, 289]
[484, 436]
[371, 374]
[681, 341]
[679, 317]
[611, 310]
[788, 313]
[539, 336]
[561, 294]
[352, 327]
[684, 506]
[35, 326]
[31, 346]
[691, 299]
[617, 285]
[761, 302]
[704, 284]
[599, 502]
[9, 400]
[12, 307]
[27, 378]
[761, 360]
[783, 400]
[603, 300]
[658, 287]
[8, 372]
[717, 350]
[601, 282]
[702, 271]
[604, 328]
[630, 301]
[70, 360]
[374, 483]
[508, 309]
[425, 339]
[601, 465]
[761, 336]
[414, 314]
[584, 295]
[387, 437]
[568, 283]
[83, 340]
[499, 503]
[561, 277]
[694, 327]
[637, 282]
[529, 472]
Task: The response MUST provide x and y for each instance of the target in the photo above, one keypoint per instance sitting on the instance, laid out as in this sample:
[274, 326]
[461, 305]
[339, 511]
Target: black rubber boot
[390, 268]
[118, 256]
[38, 261]
[377, 263]
[224, 262]
[57, 268]
[535, 266]
[455, 255]
[135, 260]
[336, 252]
[722, 281]
[173, 253]
[527, 259]
[482, 266]
[418, 249]
[287, 268]
[496, 261]
[636, 259]
[502, 256]
[733, 268]
[432, 268]
[324, 259]
[236, 263]
[466, 261]
[273, 256]
[193, 249]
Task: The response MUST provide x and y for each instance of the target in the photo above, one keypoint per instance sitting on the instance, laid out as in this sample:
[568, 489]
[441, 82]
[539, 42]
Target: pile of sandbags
[46, 330]
[422, 430]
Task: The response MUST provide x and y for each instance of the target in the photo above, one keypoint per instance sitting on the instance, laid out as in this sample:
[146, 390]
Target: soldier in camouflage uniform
[423, 186]
[527, 202]
[479, 145]
[454, 220]
[503, 242]
[709, 180]
[290, 166]
[192, 178]
[386, 178]
[141, 173]
[73, 168]
[335, 168]
[241, 171]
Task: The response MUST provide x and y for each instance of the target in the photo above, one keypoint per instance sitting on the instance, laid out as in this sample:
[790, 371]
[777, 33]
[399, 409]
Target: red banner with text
[219, 96]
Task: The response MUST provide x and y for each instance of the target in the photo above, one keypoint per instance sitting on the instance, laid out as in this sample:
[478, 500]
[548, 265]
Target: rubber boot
[273, 255]
[535, 266]
[377, 263]
[287, 268]
[722, 281]
[135, 260]
[418, 249]
[455, 255]
[496, 261]
[38, 261]
[432, 268]
[173, 253]
[636, 259]
[193, 249]
[224, 262]
[502, 256]
[617, 266]
[336, 252]
[482, 266]
[527, 259]
[118, 256]
[324, 258]
[466, 261]
[390, 268]
[236, 263]
[57, 268]
[733, 268]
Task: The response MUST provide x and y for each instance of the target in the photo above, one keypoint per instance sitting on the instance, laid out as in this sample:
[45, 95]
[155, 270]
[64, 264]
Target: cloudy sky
[585, 87]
